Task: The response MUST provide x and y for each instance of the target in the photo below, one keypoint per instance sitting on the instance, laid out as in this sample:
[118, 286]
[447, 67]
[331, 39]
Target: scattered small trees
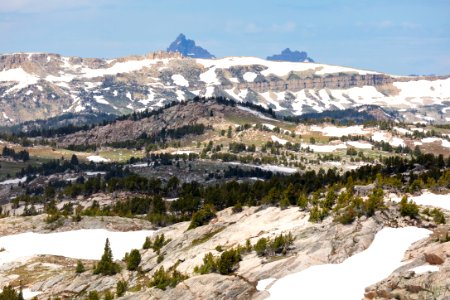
[9, 293]
[162, 279]
[224, 264]
[279, 245]
[436, 213]
[159, 242]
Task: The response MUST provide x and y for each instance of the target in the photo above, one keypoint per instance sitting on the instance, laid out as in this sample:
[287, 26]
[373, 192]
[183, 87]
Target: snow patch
[278, 140]
[80, 244]
[97, 158]
[324, 148]
[14, 181]
[430, 199]
[425, 269]
[256, 113]
[180, 80]
[272, 168]
[349, 279]
[339, 131]
[29, 294]
[250, 76]
[360, 145]
[19, 75]
[263, 284]
[101, 100]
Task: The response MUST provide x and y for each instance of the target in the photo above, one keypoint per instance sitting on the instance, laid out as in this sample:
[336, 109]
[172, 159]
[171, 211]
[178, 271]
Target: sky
[394, 36]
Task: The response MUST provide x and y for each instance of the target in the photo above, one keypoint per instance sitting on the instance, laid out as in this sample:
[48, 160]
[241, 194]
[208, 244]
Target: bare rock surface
[326, 242]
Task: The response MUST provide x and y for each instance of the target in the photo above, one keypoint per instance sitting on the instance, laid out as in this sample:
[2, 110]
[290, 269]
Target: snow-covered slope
[40, 85]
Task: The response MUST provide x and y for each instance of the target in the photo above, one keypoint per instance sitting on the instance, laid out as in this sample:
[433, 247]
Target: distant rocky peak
[294, 56]
[188, 48]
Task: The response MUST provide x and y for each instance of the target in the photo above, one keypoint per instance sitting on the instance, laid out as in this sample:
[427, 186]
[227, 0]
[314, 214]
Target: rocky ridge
[40, 85]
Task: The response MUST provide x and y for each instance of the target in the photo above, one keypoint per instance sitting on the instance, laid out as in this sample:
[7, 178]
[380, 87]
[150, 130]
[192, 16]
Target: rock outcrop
[425, 274]
[314, 244]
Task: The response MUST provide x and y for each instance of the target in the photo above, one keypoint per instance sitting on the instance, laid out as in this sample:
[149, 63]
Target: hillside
[40, 86]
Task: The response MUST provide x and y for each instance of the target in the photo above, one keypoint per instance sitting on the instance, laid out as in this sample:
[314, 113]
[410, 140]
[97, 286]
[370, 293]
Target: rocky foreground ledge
[323, 243]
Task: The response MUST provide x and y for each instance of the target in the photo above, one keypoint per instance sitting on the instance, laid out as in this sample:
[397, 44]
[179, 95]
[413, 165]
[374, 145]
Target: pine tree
[74, 160]
[106, 266]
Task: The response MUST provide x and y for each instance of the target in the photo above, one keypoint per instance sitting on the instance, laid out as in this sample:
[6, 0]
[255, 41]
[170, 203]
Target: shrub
[133, 260]
[121, 288]
[228, 260]
[224, 264]
[80, 267]
[209, 265]
[375, 202]
[302, 201]
[316, 214]
[201, 217]
[108, 295]
[346, 216]
[438, 216]
[281, 243]
[162, 279]
[160, 258]
[261, 247]
[237, 208]
[409, 209]
[93, 295]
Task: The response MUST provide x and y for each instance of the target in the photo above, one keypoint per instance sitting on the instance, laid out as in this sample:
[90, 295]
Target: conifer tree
[80, 267]
[106, 266]
[133, 260]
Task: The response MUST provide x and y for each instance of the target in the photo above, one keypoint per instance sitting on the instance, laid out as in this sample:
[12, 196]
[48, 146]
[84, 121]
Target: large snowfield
[80, 244]
[349, 279]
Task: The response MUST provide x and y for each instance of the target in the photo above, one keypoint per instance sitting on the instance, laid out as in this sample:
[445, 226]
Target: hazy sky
[394, 36]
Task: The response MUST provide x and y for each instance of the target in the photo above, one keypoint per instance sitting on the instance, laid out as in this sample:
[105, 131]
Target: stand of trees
[22, 155]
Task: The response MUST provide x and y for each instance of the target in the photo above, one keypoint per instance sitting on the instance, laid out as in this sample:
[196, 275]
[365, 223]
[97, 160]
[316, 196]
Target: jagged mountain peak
[289, 55]
[188, 48]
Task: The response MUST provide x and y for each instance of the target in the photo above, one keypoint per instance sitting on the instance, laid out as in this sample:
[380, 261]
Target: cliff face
[339, 81]
[40, 85]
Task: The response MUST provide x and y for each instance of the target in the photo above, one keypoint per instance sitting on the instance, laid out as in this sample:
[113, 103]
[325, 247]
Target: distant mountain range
[294, 56]
[42, 85]
[188, 48]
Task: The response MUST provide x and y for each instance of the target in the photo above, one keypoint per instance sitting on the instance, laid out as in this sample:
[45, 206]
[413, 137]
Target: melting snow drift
[82, 244]
[349, 279]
